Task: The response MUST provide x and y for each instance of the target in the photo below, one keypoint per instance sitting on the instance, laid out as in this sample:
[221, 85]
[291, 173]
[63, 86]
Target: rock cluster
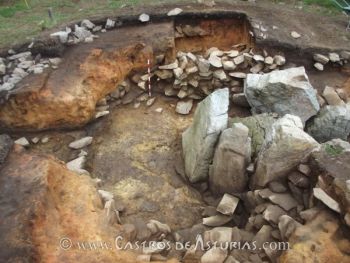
[15, 67]
[193, 76]
[331, 58]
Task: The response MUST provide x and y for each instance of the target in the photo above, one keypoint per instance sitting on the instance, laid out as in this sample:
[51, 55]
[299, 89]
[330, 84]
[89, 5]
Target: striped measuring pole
[149, 78]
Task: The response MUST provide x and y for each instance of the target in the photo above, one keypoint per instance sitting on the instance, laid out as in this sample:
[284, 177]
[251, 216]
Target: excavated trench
[136, 148]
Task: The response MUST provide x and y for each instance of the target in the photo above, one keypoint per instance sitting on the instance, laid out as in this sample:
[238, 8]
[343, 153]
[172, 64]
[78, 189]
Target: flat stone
[229, 65]
[334, 57]
[287, 226]
[184, 107]
[330, 123]
[299, 180]
[174, 12]
[232, 156]
[220, 74]
[332, 96]
[220, 235]
[321, 59]
[81, 143]
[87, 24]
[217, 220]
[164, 74]
[239, 59]
[272, 213]
[6, 144]
[295, 34]
[279, 60]
[101, 114]
[214, 255]
[233, 53]
[277, 187]
[326, 199]
[203, 65]
[199, 139]
[269, 60]
[173, 65]
[285, 200]
[238, 75]
[319, 66]
[144, 18]
[287, 144]
[215, 61]
[22, 141]
[258, 58]
[77, 165]
[228, 204]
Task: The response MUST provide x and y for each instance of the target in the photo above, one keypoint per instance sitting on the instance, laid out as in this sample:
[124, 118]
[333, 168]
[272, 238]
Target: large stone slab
[258, 126]
[284, 92]
[283, 149]
[199, 139]
[46, 210]
[232, 155]
[332, 122]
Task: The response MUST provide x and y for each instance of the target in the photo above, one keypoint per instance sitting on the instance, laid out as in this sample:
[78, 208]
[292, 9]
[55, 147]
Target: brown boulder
[41, 203]
[320, 240]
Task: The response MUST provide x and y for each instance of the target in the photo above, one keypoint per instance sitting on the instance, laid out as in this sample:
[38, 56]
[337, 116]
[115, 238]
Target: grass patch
[333, 150]
[10, 11]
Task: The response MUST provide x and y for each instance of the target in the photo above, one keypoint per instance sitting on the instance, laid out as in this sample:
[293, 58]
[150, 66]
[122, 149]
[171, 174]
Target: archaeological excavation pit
[162, 129]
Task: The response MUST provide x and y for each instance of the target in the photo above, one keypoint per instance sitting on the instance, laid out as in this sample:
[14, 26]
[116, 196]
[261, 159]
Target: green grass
[333, 150]
[18, 23]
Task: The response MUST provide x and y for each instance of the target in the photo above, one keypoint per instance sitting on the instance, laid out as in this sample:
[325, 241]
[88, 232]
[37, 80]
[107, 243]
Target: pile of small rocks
[192, 77]
[332, 58]
[15, 67]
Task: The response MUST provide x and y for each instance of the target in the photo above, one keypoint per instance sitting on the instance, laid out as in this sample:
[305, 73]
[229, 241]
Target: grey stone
[321, 59]
[110, 23]
[215, 61]
[334, 57]
[284, 92]
[232, 156]
[331, 122]
[214, 255]
[326, 199]
[217, 220]
[319, 66]
[239, 59]
[164, 74]
[298, 179]
[184, 107]
[287, 226]
[295, 34]
[81, 33]
[286, 144]
[174, 12]
[285, 200]
[81, 143]
[22, 141]
[259, 126]
[77, 165]
[279, 60]
[228, 65]
[332, 96]
[220, 235]
[6, 144]
[105, 195]
[173, 65]
[228, 204]
[203, 65]
[277, 187]
[272, 213]
[199, 139]
[238, 75]
[144, 18]
[87, 24]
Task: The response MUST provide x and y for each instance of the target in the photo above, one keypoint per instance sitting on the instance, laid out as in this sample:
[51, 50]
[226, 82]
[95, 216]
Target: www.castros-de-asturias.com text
[120, 244]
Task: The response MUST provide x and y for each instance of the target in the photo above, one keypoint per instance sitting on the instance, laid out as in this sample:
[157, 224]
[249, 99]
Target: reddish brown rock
[321, 240]
[41, 203]
[67, 97]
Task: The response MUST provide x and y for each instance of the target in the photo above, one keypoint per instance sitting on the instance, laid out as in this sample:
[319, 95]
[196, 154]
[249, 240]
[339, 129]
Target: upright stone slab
[284, 92]
[199, 140]
[332, 122]
[232, 156]
[283, 149]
